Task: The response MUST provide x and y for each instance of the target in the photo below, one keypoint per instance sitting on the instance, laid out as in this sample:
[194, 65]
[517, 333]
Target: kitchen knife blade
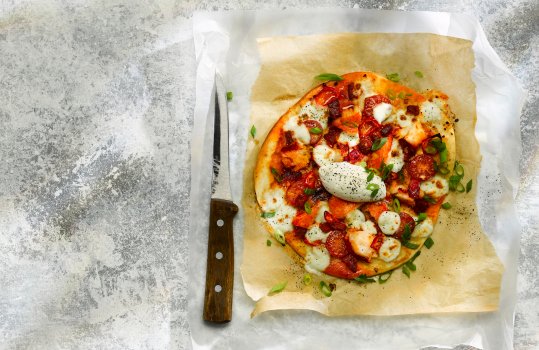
[220, 259]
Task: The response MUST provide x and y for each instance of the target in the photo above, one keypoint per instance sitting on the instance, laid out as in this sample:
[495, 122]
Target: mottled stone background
[96, 112]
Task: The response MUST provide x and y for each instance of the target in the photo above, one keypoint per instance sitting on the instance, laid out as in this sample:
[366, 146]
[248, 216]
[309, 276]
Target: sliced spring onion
[418, 74]
[328, 77]
[406, 271]
[370, 177]
[268, 214]
[407, 233]
[279, 236]
[309, 191]
[276, 175]
[307, 207]
[378, 143]
[383, 279]
[401, 95]
[393, 77]
[363, 164]
[253, 131]
[268, 243]
[315, 131]
[410, 245]
[430, 149]
[469, 186]
[307, 279]
[374, 193]
[396, 205]
[421, 216]
[459, 170]
[391, 94]
[442, 169]
[372, 187]
[446, 205]
[386, 171]
[277, 288]
[229, 95]
[460, 188]
[429, 243]
[429, 199]
[364, 279]
[324, 288]
[410, 264]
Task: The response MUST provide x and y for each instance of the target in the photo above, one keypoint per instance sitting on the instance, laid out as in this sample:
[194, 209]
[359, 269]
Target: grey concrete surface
[96, 110]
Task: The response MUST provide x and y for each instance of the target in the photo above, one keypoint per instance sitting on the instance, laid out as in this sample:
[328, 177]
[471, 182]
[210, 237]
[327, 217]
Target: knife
[220, 259]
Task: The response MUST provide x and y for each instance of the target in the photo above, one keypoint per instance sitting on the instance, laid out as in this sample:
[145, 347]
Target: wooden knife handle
[220, 265]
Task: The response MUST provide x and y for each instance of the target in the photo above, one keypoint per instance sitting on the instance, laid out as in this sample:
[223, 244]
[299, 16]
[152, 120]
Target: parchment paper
[227, 41]
[461, 272]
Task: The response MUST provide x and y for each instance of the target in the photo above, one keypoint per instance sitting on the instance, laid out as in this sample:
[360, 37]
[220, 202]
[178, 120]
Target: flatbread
[291, 152]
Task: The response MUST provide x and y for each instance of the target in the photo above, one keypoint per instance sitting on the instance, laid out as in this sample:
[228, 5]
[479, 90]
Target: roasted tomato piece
[340, 207]
[412, 110]
[413, 189]
[371, 102]
[326, 96]
[365, 144]
[406, 219]
[315, 130]
[302, 219]
[334, 109]
[421, 167]
[295, 194]
[351, 262]
[386, 130]
[368, 126]
[310, 180]
[354, 156]
[338, 268]
[336, 244]
[407, 149]
[377, 242]
[334, 222]
[332, 135]
[326, 227]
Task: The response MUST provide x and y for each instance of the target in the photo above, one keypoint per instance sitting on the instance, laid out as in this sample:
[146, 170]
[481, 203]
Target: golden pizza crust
[264, 181]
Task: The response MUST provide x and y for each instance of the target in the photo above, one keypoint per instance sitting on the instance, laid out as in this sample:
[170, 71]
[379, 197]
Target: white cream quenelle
[349, 182]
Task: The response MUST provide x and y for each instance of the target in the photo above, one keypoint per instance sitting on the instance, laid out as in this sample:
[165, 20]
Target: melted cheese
[382, 111]
[316, 234]
[325, 155]
[389, 222]
[351, 140]
[284, 214]
[423, 229]
[300, 131]
[369, 227]
[316, 259]
[436, 187]
[361, 242]
[390, 249]
[396, 156]
[315, 112]
[322, 207]
[348, 181]
[355, 218]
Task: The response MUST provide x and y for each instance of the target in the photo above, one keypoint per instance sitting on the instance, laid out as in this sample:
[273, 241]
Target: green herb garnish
[364, 279]
[383, 280]
[315, 131]
[268, 243]
[391, 94]
[328, 77]
[429, 199]
[393, 77]
[396, 205]
[229, 95]
[406, 271]
[279, 236]
[371, 176]
[324, 288]
[378, 143]
[307, 279]
[469, 186]
[401, 95]
[268, 214]
[307, 207]
[276, 175]
[418, 74]
[253, 131]
[429, 243]
[277, 288]
[421, 217]
[446, 205]
[309, 191]
[386, 171]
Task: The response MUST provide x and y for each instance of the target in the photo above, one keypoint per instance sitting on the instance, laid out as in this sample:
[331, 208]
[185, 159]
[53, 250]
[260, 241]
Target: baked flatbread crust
[440, 122]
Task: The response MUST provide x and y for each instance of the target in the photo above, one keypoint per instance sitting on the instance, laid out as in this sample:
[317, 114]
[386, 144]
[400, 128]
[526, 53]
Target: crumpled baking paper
[228, 42]
[461, 272]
